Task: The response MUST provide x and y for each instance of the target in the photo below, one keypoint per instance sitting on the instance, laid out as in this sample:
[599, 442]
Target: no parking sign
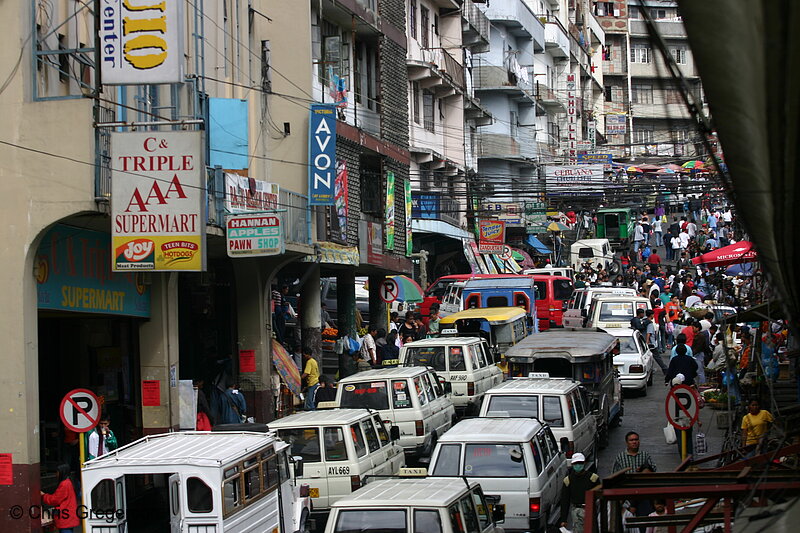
[80, 410]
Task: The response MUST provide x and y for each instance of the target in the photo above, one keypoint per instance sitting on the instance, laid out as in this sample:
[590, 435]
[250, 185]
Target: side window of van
[382, 434]
[541, 290]
[449, 461]
[456, 520]
[573, 415]
[547, 455]
[551, 441]
[430, 386]
[372, 437]
[427, 521]
[551, 406]
[423, 398]
[400, 397]
[576, 398]
[198, 496]
[481, 508]
[335, 448]
[358, 440]
[470, 515]
[456, 357]
[537, 455]
[476, 356]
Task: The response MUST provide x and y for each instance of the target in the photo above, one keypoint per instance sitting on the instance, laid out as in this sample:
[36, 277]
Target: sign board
[491, 236]
[389, 291]
[588, 159]
[507, 253]
[616, 124]
[510, 213]
[535, 217]
[566, 180]
[158, 201]
[682, 407]
[254, 235]
[322, 154]
[248, 195]
[80, 410]
[142, 42]
[389, 218]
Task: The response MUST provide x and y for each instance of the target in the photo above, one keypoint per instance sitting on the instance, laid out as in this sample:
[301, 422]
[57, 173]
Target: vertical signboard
[342, 204]
[591, 132]
[390, 210]
[491, 236]
[141, 42]
[572, 118]
[158, 198]
[407, 197]
[322, 154]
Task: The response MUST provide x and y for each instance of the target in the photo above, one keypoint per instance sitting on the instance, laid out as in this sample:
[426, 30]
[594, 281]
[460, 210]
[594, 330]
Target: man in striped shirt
[633, 457]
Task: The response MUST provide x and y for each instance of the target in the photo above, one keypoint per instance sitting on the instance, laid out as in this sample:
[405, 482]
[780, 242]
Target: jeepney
[502, 327]
[616, 224]
[583, 355]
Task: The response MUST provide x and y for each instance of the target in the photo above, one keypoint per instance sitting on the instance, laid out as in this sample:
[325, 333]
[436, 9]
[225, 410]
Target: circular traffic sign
[389, 291]
[80, 410]
[507, 253]
[682, 407]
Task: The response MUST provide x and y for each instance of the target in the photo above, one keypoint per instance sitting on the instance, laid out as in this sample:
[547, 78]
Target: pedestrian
[64, 501]
[368, 346]
[204, 420]
[573, 494]
[755, 424]
[700, 349]
[326, 392]
[310, 378]
[637, 461]
[637, 322]
[233, 408]
[101, 440]
[325, 317]
[391, 352]
[682, 364]
[660, 510]
[654, 258]
[674, 248]
[422, 330]
[280, 308]
[380, 346]
[693, 299]
[433, 321]
[646, 229]
[409, 327]
[658, 231]
[638, 237]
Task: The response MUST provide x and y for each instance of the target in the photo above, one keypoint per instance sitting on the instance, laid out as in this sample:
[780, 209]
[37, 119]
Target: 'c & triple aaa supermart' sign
[157, 201]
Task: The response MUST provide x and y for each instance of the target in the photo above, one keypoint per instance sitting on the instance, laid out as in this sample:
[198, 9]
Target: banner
[574, 180]
[158, 201]
[342, 204]
[248, 195]
[407, 190]
[616, 124]
[491, 236]
[141, 42]
[390, 210]
[254, 235]
[321, 154]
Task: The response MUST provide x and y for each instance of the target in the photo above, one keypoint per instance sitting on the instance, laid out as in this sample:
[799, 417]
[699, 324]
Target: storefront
[89, 321]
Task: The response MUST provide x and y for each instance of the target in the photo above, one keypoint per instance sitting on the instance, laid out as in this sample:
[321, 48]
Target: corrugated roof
[576, 342]
[492, 430]
[488, 313]
[439, 492]
[532, 385]
[499, 283]
[325, 416]
[398, 372]
[443, 340]
[188, 448]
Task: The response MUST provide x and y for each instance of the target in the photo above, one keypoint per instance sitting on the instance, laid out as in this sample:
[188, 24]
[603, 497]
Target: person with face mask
[573, 493]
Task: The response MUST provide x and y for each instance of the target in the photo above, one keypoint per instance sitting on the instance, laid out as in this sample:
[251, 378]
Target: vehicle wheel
[643, 391]
[602, 437]
[650, 379]
[614, 268]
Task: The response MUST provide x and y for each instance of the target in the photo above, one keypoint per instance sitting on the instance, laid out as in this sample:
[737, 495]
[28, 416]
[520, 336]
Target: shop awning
[330, 252]
[739, 252]
[757, 313]
[537, 245]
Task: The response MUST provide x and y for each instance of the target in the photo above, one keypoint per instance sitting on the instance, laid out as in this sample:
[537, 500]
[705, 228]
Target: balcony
[548, 98]
[668, 28]
[474, 28]
[508, 79]
[295, 220]
[518, 19]
[435, 68]
[503, 146]
[556, 40]
[432, 205]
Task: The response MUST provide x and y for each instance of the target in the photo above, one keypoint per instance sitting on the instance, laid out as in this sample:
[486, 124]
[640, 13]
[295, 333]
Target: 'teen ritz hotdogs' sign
[157, 201]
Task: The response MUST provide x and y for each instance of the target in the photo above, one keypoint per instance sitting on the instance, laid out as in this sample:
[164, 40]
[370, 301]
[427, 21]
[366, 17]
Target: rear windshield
[615, 311]
[493, 460]
[562, 289]
[627, 345]
[516, 406]
[378, 520]
[432, 356]
[365, 394]
[304, 442]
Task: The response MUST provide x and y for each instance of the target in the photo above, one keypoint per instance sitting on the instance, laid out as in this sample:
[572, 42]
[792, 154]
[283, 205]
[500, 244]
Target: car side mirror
[298, 466]
[394, 433]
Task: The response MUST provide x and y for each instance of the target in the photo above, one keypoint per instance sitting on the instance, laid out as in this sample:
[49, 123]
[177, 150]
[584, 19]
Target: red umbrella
[740, 252]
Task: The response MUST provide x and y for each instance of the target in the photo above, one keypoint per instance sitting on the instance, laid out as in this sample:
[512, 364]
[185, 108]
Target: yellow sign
[313, 492]
[158, 252]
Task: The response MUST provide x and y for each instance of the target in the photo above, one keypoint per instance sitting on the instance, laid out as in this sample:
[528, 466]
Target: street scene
[400, 266]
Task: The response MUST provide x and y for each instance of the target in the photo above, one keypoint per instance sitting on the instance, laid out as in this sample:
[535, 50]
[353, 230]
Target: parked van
[410, 398]
[501, 327]
[464, 362]
[196, 481]
[339, 447]
[597, 253]
[552, 295]
[560, 403]
[611, 311]
[516, 461]
[502, 291]
[417, 505]
[578, 305]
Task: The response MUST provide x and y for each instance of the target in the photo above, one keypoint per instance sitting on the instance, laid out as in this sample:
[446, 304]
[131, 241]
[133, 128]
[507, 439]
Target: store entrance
[95, 352]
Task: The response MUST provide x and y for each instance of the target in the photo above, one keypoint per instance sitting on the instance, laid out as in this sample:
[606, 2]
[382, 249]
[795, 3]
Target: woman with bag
[233, 407]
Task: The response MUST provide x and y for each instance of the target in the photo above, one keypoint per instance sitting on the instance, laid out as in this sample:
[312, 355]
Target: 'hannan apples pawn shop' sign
[254, 235]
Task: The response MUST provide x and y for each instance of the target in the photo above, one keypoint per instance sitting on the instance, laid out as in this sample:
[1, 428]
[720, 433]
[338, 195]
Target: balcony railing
[295, 220]
[453, 68]
[475, 32]
[434, 205]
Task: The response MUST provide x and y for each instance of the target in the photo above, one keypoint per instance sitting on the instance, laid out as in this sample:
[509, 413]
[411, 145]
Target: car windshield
[517, 406]
[432, 356]
[376, 520]
[615, 311]
[627, 345]
[365, 394]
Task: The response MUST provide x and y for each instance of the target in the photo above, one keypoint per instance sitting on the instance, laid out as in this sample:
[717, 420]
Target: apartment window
[642, 134]
[415, 100]
[424, 27]
[679, 55]
[604, 9]
[427, 110]
[672, 96]
[608, 91]
[412, 18]
[436, 24]
[366, 75]
[658, 13]
[640, 53]
[680, 136]
[633, 12]
[641, 93]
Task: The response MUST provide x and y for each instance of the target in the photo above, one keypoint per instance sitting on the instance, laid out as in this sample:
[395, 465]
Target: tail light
[355, 483]
[470, 388]
[636, 369]
[304, 491]
[570, 449]
[420, 427]
[535, 505]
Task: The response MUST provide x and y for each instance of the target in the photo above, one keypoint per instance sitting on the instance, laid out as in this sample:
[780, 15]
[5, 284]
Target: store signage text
[254, 236]
[322, 154]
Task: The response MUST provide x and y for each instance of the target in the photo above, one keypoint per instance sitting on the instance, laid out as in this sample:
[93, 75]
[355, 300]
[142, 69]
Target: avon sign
[322, 154]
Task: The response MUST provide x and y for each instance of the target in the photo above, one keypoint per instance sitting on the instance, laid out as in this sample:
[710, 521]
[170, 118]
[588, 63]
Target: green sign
[407, 187]
[390, 210]
[535, 217]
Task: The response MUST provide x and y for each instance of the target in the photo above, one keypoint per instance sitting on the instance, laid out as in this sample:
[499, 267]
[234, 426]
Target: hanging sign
[408, 202]
[158, 201]
[491, 236]
[254, 235]
[140, 42]
[248, 195]
[390, 210]
[322, 154]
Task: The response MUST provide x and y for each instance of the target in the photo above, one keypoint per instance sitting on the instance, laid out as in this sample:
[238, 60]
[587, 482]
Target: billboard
[588, 159]
[254, 235]
[574, 180]
[158, 200]
[491, 236]
[616, 124]
[141, 42]
[322, 154]
[248, 195]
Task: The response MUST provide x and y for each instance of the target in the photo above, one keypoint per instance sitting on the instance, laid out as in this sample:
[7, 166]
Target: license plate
[313, 493]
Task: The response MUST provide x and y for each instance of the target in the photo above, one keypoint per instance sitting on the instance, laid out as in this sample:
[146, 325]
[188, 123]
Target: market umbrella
[739, 252]
[650, 168]
[523, 258]
[633, 169]
[666, 171]
[694, 165]
[557, 226]
[408, 289]
[286, 367]
[674, 167]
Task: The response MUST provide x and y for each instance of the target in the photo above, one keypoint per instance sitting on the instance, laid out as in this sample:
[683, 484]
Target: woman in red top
[64, 502]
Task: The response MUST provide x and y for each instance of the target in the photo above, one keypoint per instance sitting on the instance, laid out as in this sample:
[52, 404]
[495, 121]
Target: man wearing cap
[573, 493]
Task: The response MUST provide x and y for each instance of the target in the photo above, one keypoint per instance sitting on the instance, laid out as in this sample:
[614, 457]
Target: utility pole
[422, 255]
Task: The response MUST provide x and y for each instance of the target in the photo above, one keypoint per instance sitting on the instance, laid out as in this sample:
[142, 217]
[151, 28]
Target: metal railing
[452, 68]
[477, 19]
[295, 219]
[102, 169]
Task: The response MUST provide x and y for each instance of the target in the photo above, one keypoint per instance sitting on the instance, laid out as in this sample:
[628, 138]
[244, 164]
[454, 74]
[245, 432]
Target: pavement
[647, 416]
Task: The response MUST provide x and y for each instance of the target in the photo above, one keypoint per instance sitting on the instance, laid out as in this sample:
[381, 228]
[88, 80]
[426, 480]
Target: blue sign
[73, 273]
[590, 159]
[322, 154]
[425, 206]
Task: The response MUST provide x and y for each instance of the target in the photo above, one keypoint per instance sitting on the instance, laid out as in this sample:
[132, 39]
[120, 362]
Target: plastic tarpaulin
[537, 245]
[286, 367]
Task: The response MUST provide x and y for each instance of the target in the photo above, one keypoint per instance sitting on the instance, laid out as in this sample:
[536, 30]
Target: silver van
[578, 306]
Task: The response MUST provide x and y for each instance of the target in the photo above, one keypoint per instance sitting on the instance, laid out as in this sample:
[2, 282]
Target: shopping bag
[700, 445]
[669, 434]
